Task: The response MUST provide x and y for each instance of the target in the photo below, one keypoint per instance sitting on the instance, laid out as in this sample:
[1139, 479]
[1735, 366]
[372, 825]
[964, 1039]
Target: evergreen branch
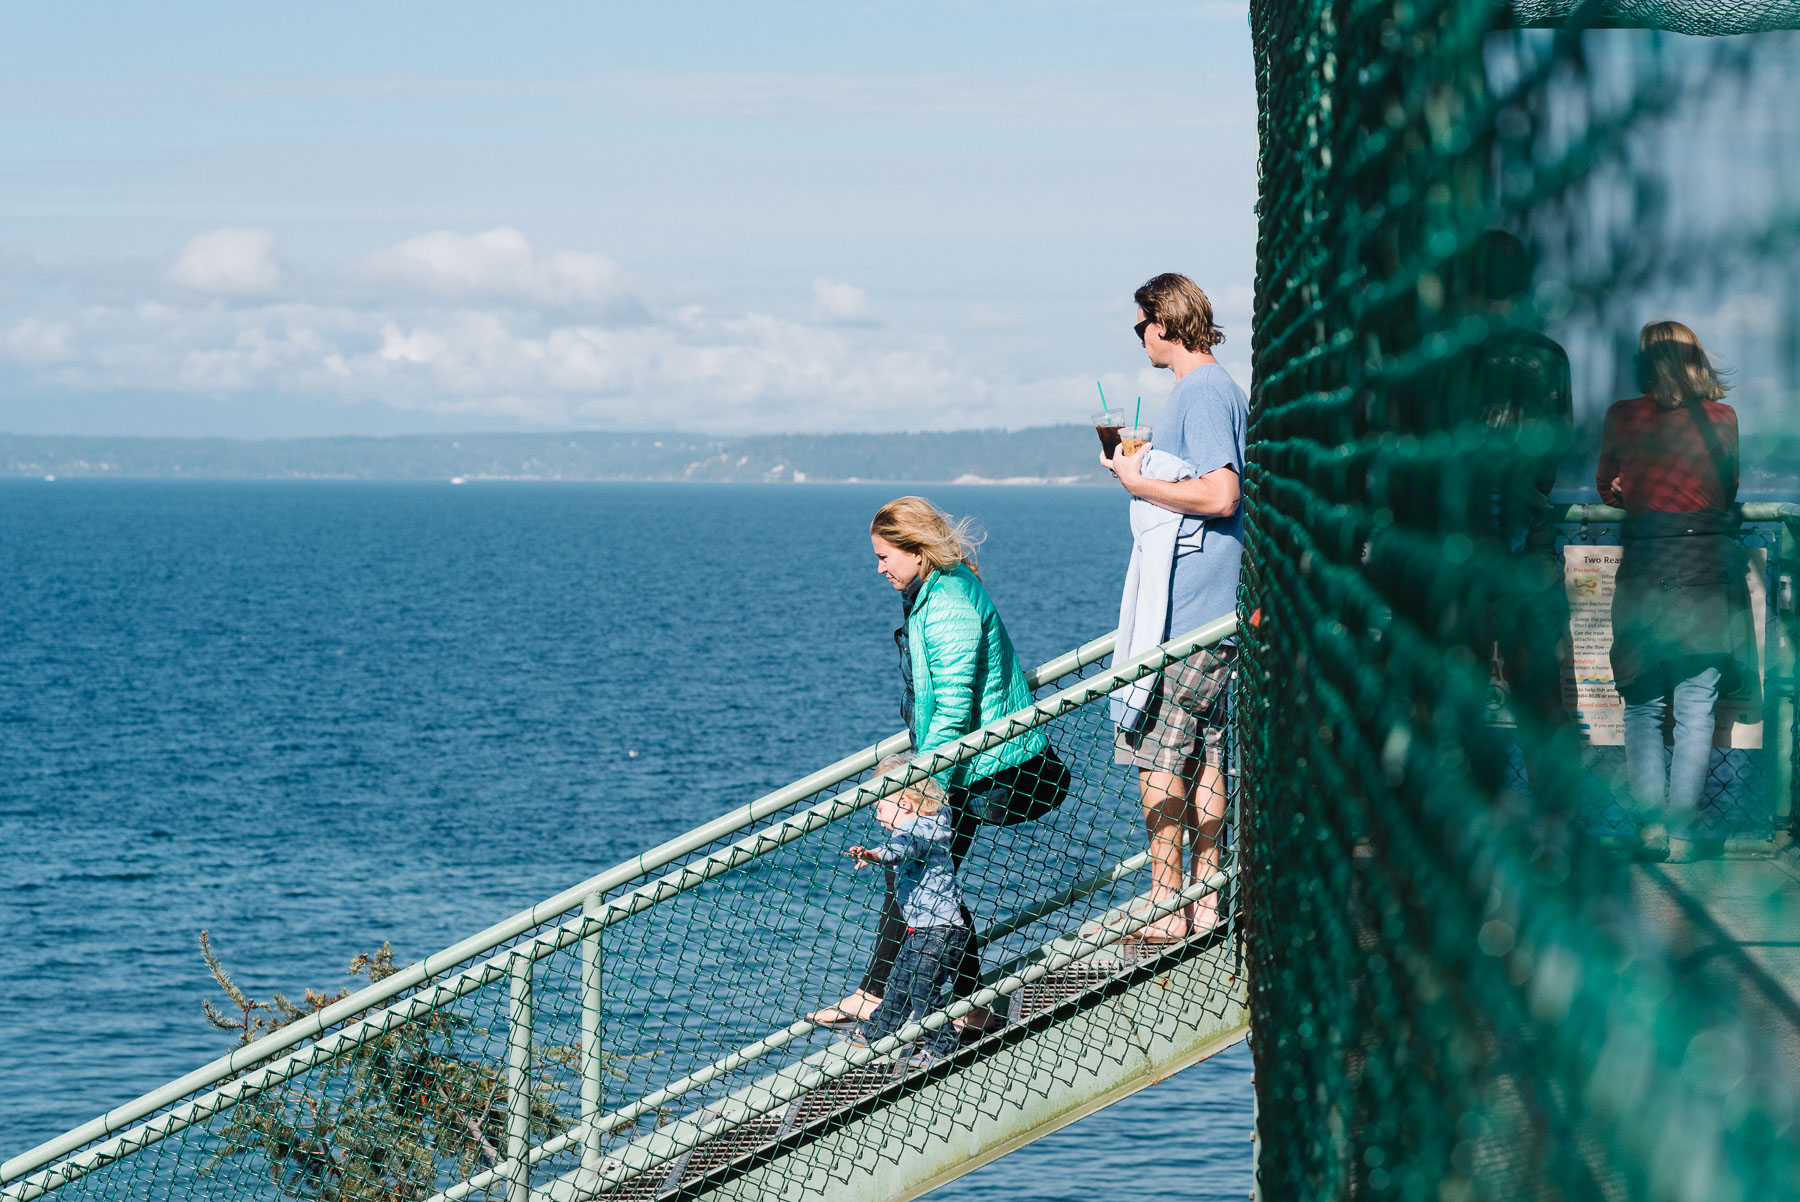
[219, 974]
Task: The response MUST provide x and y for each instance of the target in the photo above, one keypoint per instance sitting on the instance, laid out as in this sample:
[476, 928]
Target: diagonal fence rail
[648, 1027]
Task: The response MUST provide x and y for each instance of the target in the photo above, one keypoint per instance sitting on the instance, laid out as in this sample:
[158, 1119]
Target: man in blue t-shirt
[1177, 744]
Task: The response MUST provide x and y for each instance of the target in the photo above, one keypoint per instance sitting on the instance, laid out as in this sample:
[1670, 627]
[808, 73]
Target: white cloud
[841, 304]
[35, 341]
[694, 371]
[233, 261]
[498, 264]
[484, 325]
[420, 346]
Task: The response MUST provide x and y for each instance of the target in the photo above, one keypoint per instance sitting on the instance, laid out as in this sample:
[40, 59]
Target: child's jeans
[919, 985]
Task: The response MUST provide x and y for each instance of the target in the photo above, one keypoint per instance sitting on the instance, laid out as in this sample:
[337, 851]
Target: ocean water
[310, 717]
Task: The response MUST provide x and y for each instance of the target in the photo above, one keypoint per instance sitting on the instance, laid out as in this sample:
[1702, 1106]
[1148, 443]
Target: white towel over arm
[1144, 606]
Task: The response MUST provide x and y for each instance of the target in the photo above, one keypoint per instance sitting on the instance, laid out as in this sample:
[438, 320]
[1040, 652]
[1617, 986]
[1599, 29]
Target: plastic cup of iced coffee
[1107, 425]
[1132, 439]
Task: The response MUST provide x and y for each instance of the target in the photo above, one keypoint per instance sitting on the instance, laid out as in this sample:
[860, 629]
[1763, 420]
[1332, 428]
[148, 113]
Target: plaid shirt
[1668, 460]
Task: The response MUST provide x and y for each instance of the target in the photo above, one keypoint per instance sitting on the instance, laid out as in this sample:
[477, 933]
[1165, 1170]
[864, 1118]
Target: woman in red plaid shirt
[1681, 612]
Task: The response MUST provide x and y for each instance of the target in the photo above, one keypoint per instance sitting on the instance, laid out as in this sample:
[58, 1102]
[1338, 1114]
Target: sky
[265, 221]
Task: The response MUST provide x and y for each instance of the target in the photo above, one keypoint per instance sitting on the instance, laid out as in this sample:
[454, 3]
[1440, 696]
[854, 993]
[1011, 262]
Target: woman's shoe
[835, 1018]
[1653, 842]
[1688, 848]
[846, 1013]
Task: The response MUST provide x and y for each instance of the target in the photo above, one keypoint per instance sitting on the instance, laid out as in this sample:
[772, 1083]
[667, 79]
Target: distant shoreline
[1049, 455]
[1043, 456]
[960, 482]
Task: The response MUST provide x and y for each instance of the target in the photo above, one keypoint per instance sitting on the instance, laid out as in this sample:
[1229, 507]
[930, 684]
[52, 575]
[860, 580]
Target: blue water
[313, 716]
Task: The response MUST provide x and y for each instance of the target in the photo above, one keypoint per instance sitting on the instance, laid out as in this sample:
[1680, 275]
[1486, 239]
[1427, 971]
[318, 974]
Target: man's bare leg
[1168, 817]
[1209, 801]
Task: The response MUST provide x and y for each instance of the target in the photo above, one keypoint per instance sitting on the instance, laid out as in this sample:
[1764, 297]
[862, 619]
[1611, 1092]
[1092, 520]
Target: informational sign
[1588, 690]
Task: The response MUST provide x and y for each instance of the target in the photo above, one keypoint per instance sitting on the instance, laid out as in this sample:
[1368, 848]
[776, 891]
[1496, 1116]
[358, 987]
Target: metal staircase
[642, 1035]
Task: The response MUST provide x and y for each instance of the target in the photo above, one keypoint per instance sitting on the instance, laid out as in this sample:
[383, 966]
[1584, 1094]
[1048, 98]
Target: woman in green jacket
[959, 671]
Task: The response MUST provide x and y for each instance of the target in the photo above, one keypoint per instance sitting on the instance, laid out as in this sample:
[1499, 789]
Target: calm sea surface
[311, 717]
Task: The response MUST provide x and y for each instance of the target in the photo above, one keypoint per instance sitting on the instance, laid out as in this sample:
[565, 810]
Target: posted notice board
[1588, 576]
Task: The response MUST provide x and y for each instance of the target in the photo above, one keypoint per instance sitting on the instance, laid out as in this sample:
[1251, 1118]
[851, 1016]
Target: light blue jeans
[1670, 795]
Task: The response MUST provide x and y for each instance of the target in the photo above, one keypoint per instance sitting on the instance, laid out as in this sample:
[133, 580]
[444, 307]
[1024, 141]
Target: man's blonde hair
[1674, 368]
[926, 797]
[1177, 304]
[918, 527]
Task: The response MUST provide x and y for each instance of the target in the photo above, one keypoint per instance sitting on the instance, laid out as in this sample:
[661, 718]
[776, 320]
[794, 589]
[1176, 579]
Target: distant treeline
[1047, 454]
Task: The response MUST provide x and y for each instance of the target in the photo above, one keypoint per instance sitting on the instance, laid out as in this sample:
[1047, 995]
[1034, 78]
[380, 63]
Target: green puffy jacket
[965, 674]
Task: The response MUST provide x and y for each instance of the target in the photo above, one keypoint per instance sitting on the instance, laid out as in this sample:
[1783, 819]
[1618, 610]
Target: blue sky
[377, 219]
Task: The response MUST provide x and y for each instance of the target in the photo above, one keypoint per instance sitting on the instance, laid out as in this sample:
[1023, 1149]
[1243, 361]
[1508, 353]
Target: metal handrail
[1752, 511]
[776, 1040]
[841, 1059]
[589, 923]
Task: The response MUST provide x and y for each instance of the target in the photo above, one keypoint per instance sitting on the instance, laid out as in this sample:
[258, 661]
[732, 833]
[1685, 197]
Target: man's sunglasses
[1139, 329]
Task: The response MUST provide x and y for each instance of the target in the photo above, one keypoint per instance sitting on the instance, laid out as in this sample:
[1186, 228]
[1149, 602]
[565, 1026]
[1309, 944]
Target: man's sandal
[1142, 938]
[1118, 918]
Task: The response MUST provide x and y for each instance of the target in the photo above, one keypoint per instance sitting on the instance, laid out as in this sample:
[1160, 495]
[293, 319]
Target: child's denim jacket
[918, 856]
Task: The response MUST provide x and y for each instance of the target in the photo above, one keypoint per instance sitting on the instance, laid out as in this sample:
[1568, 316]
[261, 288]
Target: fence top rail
[1752, 511]
[496, 936]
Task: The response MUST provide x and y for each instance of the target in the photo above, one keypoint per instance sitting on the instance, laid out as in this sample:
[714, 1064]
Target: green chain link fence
[1460, 988]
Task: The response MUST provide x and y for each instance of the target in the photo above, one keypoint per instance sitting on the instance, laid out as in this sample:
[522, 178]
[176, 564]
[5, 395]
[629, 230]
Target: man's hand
[1125, 468]
[1130, 469]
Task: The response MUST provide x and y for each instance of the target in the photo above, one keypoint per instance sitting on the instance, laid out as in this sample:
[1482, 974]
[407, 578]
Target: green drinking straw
[1137, 417]
[1103, 407]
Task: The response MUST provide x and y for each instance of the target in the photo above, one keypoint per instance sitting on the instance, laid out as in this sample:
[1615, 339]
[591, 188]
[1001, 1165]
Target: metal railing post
[1779, 678]
[593, 1064]
[518, 1081]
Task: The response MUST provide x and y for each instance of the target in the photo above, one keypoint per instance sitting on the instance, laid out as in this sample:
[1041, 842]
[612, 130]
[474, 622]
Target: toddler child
[918, 856]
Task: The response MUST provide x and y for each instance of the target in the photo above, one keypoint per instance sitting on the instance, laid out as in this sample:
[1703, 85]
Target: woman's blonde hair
[1673, 367]
[918, 527]
[927, 796]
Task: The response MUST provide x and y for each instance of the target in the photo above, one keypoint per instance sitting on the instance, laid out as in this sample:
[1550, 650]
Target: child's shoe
[922, 1057]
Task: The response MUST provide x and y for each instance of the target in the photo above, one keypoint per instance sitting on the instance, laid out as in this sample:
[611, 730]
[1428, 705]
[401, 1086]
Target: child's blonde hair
[926, 797]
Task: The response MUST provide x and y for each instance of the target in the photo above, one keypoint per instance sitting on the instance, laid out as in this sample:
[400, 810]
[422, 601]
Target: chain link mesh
[653, 1042]
[1460, 987]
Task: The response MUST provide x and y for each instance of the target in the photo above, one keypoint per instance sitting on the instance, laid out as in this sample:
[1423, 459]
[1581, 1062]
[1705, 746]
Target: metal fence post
[593, 1065]
[518, 1079]
[1784, 652]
